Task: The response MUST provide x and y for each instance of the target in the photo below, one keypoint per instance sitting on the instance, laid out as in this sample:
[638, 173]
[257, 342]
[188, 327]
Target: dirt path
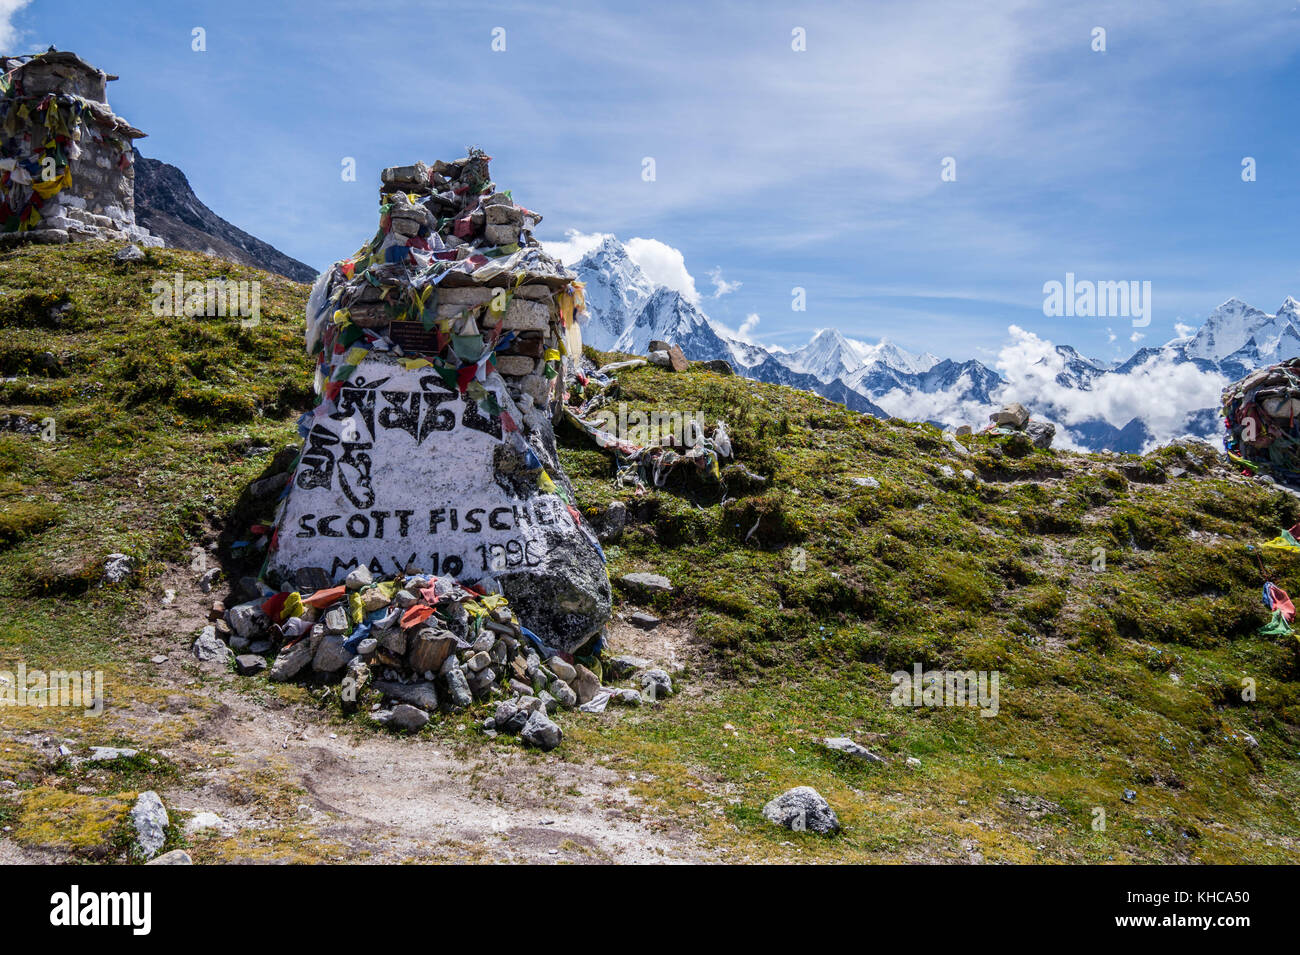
[282, 778]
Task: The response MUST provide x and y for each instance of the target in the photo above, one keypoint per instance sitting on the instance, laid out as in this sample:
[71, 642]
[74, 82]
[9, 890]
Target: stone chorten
[440, 348]
[66, 162]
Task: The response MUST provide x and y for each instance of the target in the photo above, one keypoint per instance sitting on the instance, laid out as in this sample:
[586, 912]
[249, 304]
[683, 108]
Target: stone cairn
[426, 551]
[66, 160]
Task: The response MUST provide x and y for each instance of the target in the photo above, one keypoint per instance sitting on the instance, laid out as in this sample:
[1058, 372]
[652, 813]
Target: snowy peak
[830, 355]
[1227, 329]
[1238, 336]
[669, 317]
[616, 291]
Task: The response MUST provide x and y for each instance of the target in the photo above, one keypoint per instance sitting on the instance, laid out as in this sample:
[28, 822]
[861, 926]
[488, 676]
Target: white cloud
[9, 34]
[663, 265]
[1184, 331]
[1136, 337]
[1160, 392]
[721, 286]
[574, 245]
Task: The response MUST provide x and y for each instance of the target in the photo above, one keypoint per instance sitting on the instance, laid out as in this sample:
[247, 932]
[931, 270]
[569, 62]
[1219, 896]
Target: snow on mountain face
[830, 355]
[667, 316]
[1229, 327]
[616, 291]
[1099, 404]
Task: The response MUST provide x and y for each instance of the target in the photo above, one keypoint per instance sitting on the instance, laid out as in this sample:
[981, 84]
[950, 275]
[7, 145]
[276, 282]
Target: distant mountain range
[167, 206]
[1157, 395]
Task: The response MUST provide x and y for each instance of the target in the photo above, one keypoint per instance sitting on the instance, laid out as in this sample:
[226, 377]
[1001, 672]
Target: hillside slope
[795, 599]
[167, 206]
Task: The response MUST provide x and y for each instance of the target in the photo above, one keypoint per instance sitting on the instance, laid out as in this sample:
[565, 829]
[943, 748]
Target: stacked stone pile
[1014, 421]
[66, 160]
[407, 647]
[456, 259]
[440, 347]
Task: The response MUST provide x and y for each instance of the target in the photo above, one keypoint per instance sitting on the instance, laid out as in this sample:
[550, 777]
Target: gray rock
[568, 596]
[423, 695]
[354, 681]
[456, 686]
[358, 578]
[623, 666]
[428, 648]
[1014, 415]
[394, 641]
[564, 694]
[643, 620]
[956, 445]
[408, 717]
[208, 579]
[643, 583]
[612, 522]
[627, 696]
[291, 662]
[308, 580]
[479, 661]
[149, 819]
[250, 664]
[105, 754]
[865, 482]
[510, 717]
[586, 684]
[480, 681]
[1041, 433]
[336, 621]
[117, 567]
[802, 809]
[247, 619]
[541, 732]
[128, 253]
[656, 684]
[210, 648]
[562, 668]
[842, 744]
[549, 703]
[330, 656]
[202, 821]
[175, 857]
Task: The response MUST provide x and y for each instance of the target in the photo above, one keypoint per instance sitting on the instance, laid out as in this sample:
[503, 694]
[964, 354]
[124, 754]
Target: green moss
[804, 591]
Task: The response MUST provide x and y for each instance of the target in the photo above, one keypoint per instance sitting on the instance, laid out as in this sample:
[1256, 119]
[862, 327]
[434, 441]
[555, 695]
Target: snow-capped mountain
[667, 316]
[617, 290]
[1158, 394]
[830, 355]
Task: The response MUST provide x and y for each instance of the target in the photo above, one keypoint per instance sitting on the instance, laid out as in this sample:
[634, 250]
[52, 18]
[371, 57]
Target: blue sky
[780, 168]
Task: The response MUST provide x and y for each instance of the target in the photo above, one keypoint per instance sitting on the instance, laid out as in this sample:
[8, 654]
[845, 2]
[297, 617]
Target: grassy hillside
[803, 592]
